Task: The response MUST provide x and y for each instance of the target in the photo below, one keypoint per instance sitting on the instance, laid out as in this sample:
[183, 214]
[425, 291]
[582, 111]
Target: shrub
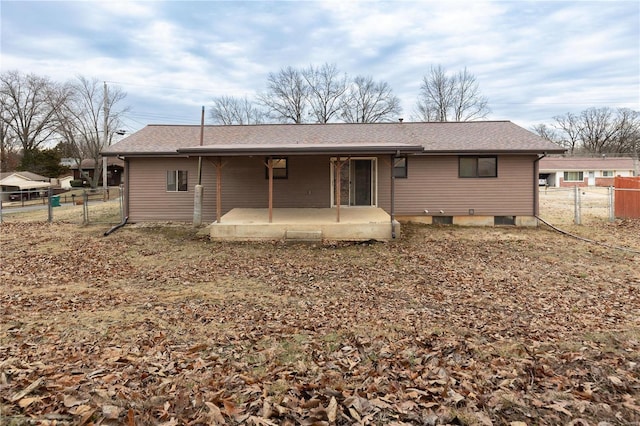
[76, 183]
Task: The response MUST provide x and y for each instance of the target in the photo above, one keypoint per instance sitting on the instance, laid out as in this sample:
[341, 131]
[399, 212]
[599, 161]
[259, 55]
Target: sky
[533, 60]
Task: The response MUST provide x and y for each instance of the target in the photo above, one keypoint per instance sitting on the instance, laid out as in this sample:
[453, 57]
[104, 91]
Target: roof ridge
[404, 123]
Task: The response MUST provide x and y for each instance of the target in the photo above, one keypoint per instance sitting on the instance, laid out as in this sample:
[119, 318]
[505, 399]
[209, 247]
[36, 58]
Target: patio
[298, 224]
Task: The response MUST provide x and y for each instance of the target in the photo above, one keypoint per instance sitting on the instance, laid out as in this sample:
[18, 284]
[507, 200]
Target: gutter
[126, 187]
[302, 150]
[536, 188]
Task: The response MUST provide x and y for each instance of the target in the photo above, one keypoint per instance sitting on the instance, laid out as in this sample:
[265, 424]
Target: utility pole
[105, 135]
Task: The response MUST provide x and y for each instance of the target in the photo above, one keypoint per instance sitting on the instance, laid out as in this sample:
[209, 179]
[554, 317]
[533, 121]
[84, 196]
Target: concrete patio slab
[356, 224]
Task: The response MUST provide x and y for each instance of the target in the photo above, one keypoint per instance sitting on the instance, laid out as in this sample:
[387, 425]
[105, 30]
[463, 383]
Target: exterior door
[357, 182]
[361, 182]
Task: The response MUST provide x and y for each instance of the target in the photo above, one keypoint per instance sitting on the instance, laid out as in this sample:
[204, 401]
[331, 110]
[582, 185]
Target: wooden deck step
[292, 235]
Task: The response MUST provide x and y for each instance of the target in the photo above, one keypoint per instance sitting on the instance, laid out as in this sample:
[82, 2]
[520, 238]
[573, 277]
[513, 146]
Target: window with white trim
[573, 176]
[607, 173]
[176, 180]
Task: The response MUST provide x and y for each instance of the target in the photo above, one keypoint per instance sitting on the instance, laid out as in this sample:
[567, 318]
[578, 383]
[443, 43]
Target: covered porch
[305, 224]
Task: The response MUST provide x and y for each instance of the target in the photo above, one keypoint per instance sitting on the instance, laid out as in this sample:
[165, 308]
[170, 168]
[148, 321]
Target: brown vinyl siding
[148, 196]
[433, 184]
[243, 186]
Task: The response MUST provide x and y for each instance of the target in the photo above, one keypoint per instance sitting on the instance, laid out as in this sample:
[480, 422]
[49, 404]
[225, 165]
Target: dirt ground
[449, 325]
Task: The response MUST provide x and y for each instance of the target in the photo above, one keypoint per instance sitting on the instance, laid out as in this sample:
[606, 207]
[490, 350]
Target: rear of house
[480, 173]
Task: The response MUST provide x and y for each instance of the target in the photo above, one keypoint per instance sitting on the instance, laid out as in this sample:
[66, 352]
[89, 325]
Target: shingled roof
[582, 163]
[426, 138]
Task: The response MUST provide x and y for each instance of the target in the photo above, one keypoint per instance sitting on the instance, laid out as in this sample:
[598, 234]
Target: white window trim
[374, 177]
[166, 183]
[573, 171]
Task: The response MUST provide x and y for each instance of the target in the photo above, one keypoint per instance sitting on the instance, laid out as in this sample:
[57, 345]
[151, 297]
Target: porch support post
[270, 167]
[218, 165]
[393, 197]
[338, 170]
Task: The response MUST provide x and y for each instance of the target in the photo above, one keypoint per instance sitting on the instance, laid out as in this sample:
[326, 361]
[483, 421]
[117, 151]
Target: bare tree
[547, 133]
[82, 122]
[231, 110]
[286, 96]
[600, 131]
[450, 98]
[8, 143]
[597, 129]
[569, 127]
[326, 88]
[30, 103]
[367, 101]
[627, 140]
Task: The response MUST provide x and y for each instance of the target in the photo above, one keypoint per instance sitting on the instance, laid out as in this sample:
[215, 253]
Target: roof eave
[143, 154]
[493, 151]
[315, 150]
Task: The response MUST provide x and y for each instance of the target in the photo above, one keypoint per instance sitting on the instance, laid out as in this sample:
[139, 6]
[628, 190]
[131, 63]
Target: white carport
[15, 183]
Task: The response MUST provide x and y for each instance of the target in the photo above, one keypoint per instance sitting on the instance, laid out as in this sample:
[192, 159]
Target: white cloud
[531, 58]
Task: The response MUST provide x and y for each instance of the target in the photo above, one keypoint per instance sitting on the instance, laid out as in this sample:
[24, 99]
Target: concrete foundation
[356, 224]
[524, 221]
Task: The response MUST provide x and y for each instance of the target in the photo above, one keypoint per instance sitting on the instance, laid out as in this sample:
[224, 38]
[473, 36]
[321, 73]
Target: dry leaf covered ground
[479, 326]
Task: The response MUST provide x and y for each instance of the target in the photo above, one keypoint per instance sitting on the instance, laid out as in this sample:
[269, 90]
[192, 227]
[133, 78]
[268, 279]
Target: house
[115, 168]
[355, 175]
[583, 171]
[15, 186]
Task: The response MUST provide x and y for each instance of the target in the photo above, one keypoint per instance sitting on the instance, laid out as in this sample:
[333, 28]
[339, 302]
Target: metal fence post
[612, 215]
[50, 207]
[85, 207]
[576, 205]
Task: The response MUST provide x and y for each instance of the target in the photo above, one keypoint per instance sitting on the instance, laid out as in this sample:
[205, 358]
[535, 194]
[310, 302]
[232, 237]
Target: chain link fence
[85, 206]
[579, 206]
[559, 206]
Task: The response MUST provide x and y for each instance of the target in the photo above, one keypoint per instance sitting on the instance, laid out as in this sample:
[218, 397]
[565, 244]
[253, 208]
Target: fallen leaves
[447, 325]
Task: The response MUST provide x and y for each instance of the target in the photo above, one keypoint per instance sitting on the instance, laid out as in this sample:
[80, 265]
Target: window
[176, 180]
[477, 167]
[280, 168]
[504, 220]
[400, 167]
[442, 220]
[573, 176]
[607, 173]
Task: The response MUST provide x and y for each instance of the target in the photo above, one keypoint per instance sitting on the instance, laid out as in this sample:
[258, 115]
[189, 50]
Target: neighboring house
[115, 169]
[26, 185]
[582, 172]
[67, 162]
[452, 172]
